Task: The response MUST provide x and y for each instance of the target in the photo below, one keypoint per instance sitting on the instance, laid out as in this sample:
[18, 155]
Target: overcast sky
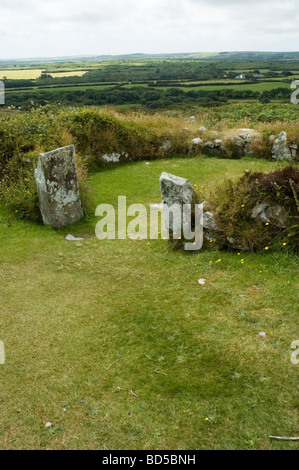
[48, 28]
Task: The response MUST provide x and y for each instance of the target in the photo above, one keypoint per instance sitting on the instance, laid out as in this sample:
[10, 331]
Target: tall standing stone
[58, 189]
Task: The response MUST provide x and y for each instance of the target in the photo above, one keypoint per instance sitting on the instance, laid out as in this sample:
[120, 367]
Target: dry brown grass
[274, 128]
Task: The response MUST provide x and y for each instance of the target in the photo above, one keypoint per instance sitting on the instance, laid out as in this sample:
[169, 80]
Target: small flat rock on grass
[71, 238]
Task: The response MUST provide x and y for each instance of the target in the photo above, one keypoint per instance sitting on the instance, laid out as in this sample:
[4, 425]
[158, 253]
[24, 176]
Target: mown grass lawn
[116, 344]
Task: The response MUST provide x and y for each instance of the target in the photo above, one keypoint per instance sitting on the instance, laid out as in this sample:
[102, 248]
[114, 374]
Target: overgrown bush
[234, 201]
[18, 188]
[96, 134]
[261, 146]
[39, 131]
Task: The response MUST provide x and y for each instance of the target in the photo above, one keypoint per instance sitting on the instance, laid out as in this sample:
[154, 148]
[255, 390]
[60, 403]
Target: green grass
[236, 85]
[261, 86]
[86, 323]
[62, 88]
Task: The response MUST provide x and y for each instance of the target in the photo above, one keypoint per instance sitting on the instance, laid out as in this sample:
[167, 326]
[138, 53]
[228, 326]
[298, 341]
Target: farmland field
[68, 74]
[262, 86]
[201, 80]
[20, 74]
[62, 88]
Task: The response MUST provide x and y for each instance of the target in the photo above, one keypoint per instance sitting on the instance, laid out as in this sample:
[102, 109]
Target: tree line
[148, 97]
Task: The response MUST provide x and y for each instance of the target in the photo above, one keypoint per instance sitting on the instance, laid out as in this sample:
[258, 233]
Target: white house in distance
[241, 76]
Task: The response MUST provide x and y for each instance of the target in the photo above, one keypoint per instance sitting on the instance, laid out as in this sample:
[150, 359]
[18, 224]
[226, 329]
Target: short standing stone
[238, 144]
[280, 149]
[176, 192]
[248, 150]
[57, 184]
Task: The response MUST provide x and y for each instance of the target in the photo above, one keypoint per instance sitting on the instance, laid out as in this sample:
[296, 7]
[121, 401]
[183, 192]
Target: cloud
[73, 27]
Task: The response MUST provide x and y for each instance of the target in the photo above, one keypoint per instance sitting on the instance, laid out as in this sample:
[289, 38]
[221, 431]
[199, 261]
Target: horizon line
[43, 58]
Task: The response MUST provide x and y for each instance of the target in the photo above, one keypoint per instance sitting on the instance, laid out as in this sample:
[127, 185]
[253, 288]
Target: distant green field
[265, 86]
[62, 88]
[205, 77]
[238, 81]
[261, 86]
